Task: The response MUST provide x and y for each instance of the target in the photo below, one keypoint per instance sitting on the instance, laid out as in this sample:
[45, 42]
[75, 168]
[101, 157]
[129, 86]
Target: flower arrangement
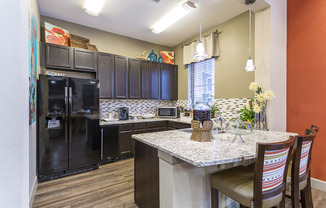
[256, 105]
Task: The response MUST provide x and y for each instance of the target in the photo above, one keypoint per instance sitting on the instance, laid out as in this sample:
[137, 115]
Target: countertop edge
[199, 165]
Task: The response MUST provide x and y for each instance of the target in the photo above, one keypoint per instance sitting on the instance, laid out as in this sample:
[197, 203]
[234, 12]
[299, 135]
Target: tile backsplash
[137, 107]
[228, 107]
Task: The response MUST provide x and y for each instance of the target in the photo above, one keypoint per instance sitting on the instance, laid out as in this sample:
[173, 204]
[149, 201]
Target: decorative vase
[160, 59]
[260, 121]
[152, 56]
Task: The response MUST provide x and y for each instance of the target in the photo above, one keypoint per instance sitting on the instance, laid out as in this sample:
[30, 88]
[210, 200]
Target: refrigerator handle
[70, 111]
[66, 114]
[101, 144]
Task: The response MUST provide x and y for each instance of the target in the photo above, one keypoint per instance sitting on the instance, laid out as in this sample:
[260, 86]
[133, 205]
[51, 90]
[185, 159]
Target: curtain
[211, 45]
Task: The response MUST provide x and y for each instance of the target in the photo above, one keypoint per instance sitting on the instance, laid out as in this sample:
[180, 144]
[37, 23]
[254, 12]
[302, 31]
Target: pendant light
[250, 63]
[200, 53]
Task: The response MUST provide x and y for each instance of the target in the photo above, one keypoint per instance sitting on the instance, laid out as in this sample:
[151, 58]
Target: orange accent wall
[306, 74]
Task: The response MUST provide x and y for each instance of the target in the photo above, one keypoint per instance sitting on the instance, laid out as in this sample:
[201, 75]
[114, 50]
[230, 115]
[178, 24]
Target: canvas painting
[168, 56]
[32, 68]
[56, 35]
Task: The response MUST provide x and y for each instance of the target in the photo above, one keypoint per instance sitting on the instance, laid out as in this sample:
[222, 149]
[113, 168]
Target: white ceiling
[134, 18]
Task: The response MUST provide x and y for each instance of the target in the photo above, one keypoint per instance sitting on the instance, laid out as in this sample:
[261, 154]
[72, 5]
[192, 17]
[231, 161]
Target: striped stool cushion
[304, 157]
[274, 165]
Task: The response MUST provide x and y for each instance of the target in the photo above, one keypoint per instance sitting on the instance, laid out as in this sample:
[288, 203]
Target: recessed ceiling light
[93, 7]
[173, 16]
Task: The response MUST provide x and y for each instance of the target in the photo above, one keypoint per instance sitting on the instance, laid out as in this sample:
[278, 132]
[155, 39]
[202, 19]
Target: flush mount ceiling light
[200, 53]
[173, 16]
[93, 7]
[250, 63]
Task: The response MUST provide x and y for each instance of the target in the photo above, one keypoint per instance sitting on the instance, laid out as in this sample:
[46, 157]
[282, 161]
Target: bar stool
[264, 186]
[298, 181]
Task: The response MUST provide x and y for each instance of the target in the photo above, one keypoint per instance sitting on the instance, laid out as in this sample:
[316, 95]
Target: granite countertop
[118, 122]
[220, 151]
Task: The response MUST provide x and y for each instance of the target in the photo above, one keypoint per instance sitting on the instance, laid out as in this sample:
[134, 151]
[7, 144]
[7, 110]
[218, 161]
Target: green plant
[214, 109]
[185, 111]
[247, 113]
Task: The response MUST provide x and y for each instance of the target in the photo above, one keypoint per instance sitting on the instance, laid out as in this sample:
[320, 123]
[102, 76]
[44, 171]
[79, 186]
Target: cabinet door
[121, 77]
[146, 80]
[169, 82]
[126, 143]
[105, 74]
[134, 78]
[109, 143]
[85, 59]
[58, 56]
[156, 72]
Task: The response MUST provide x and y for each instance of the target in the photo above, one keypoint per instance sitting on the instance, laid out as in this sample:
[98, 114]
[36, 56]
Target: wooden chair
[299, 172]
[264, 186]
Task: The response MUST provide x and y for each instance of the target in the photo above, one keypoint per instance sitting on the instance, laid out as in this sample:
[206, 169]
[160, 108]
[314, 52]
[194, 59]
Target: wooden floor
[109, 186]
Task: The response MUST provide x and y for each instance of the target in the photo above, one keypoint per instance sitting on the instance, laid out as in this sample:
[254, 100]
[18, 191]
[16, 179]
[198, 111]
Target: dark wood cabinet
[146, 80]
[134, 78]
[121, 77]
[85, 59]
[58, 56]
[105, 73]
[169, 82]
[146, 173]
[156, 81]
[126, 143]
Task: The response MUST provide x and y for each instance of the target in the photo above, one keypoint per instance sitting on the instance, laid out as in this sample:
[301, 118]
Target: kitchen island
[171, 171]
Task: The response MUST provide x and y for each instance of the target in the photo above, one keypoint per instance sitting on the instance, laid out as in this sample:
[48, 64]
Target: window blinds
[201, 82]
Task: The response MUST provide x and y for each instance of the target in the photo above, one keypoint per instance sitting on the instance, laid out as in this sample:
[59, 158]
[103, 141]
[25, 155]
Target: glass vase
[261, 120]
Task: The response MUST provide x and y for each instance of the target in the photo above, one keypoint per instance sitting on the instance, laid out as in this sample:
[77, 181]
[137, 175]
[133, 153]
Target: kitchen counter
[131, 121]
[200, 154]
[174, 172]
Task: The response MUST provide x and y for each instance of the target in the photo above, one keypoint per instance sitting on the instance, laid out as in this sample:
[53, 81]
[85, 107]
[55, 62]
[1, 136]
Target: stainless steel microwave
[167, 112]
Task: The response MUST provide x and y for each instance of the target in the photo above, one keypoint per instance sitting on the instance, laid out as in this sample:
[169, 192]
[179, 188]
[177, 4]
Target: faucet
[220, 119]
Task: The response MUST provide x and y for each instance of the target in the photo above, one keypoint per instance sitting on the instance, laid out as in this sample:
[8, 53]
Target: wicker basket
[78, 41]
[203, 134]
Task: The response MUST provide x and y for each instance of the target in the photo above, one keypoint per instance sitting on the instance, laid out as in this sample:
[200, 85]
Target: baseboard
[32, 193]
[318, 184]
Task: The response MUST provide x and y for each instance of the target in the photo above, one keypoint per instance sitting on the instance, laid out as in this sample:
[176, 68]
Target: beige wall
[231, 81]
[108, 42]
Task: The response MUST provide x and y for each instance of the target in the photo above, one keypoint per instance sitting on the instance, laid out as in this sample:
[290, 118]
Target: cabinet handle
[101, 144]
[66, 115]
[70, 111]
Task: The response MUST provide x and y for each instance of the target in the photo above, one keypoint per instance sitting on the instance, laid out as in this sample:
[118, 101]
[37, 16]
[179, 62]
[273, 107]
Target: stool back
[271, 165]
[301, 157]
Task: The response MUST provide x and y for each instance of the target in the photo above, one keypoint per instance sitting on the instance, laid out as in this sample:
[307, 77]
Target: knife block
[203, 134]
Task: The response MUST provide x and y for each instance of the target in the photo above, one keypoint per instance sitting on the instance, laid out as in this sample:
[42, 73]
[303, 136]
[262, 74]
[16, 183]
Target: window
[201, 81]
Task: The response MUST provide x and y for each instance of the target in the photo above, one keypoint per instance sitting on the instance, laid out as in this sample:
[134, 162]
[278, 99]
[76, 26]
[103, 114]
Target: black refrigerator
[69, 139]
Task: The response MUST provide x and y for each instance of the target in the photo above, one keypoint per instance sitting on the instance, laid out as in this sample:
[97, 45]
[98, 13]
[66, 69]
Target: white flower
[248, 107]
[257, 108]
[253, 86]
[260, 97]
[269, 95]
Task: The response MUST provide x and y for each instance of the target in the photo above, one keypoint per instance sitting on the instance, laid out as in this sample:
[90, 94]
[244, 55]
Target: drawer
[139, 126]
[171, 124]
[156, 124]
[158, 129]
[125, 127]
[139, 131]
[182, 125]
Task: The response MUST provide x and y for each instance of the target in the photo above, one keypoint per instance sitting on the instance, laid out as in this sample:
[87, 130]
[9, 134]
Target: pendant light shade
[250, 63]
[200, 53]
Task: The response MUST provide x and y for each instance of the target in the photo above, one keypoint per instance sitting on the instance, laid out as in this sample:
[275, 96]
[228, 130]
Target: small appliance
[167, 112]
[124, 113]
